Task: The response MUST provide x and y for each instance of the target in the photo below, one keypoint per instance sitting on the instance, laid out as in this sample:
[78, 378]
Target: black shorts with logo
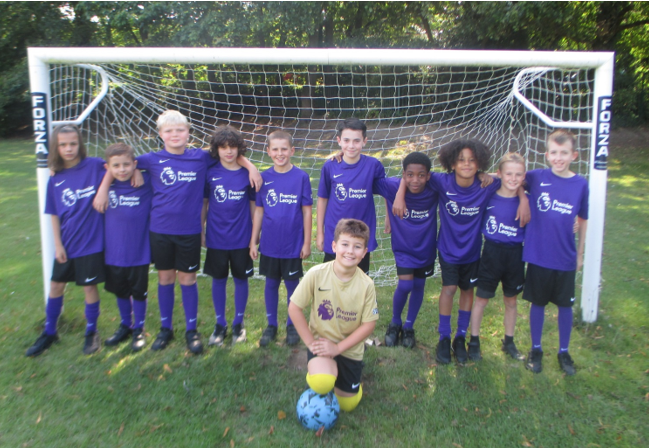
[178, 252]
[500, 263]
[464, 276]
[125, 282]
[545, 285]
[349, 377]
[284, 268]
[239, 260]
[84, 271]
[424, 272]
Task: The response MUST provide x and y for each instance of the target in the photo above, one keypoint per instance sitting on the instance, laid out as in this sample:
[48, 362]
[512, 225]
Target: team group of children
[163, 206]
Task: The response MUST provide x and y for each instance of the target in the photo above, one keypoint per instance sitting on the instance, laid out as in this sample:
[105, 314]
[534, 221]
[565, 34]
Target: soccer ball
[316, 410]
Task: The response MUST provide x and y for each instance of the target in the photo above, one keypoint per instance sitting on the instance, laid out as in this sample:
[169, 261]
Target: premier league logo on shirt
[406, 214]
[325, 310]
[544, 202]
[272, 198]
[68, 197]
[220, 193]
[341, 193]
[452, 208]
[491, 225]
[112, 199]
[168, 177]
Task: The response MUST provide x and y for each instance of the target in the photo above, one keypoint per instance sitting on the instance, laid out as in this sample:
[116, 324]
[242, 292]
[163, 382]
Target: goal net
[407, 106]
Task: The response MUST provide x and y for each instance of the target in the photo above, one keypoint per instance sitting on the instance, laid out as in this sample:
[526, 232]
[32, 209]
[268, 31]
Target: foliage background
[589, 26]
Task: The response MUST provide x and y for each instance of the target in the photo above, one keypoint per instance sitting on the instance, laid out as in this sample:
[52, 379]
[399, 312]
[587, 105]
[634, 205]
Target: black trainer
[460, 351]
[443, 351]
[218, 335]
[238, 334]
[163, 339]
[43, 342]
[474, 350]
[566, 363]
[408, 338]
[269, 334]
[534, 361]
[193, 341]
[121, 334]
[92, 343]
[138, 341]
[511, 349]
[392, 335]
[293, 338]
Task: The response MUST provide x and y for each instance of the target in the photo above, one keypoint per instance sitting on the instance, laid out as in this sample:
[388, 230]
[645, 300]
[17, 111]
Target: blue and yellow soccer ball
[315, 410]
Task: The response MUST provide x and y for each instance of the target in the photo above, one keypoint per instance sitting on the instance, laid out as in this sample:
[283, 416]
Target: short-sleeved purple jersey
[461, 214]
[413, 238]
[499, 225]
[282, 196]
[70, 195]
[554, 204]
[177, 181]
[348, 189]
[126, 238]
[229, 223]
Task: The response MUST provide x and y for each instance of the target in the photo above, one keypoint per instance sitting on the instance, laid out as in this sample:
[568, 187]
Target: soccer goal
[410, 100]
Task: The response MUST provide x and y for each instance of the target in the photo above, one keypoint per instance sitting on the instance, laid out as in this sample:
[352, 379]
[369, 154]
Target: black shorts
[125, 282]
[424, 272]
[84, 271]
[500, 263]
[364, 265]
[545, 285]
[284, 268]
[178, 252]
[217, 261]
[349, 372]
[464, 276]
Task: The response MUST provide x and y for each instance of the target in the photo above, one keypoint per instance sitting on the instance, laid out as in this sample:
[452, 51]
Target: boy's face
[228, 154]
[175, 137]
[280, 152]
[560, 157]
[121, 167]
[512, 175]
[416, 177]
[349, 250]
[351, 142]
[466, 166]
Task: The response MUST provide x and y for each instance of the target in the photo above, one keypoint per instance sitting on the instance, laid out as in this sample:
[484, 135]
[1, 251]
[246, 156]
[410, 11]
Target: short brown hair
[561, 136]
[54, 159]
[354, 228]
[279, 135]
[119, 149]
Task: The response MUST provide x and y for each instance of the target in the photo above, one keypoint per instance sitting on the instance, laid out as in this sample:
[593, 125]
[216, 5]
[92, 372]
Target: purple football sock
[124, 305]
[462, 323]
[166, 305]
[444, 326]
[291, 286]
[536, 325]
[564, 323]
[139, 313]
[190, 294]
[241, 299]
[92, 314]
[52, 313]
[404, 287]
[271, 297]
[219, 299]
[415, 302]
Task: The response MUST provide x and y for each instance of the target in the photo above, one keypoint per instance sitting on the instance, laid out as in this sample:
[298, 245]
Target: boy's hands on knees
[137, 180]
[325, 347]
[485, 178]
[305, 252]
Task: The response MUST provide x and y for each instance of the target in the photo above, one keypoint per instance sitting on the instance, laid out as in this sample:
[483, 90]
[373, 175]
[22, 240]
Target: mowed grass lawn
[246, 396]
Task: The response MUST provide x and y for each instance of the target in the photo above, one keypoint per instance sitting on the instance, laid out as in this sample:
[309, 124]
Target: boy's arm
[325, 347]
[485, 178]
[137, 180]
[100, 203]
[253, 174]
[204, 218]
[302, 327]
[387, 228]
[321, 207]
[59, 251]
[582, 233]
[523, 211]
[258, 214]
[399, 204]
[306, 224]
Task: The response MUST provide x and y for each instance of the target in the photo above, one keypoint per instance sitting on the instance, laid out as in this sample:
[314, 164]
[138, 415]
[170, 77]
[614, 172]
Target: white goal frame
[602, 62]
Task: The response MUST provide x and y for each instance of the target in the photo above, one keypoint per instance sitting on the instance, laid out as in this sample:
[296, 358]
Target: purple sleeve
[50, 203]
[584, 203]
[251, 194]
[306, 191]
[324, 183]
[382, 187]
[435, 181]
[380, 172]
[144, 161]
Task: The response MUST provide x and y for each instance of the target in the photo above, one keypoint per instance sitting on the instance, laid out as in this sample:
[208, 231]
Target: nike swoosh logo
[337, 175]
[192, 267]
[355, 385]
[519, 287]
[58, 183]
[269, 183]
[193, 320]
[240, 314]
[248, 271]
[427, 273]
[90, 279]
[321, 289]
[291, 273]
[573, 299]
[141, 322]
[544, 185]
[491, 206]
[452, 194]
[472, 280]
[163, 318]
[215, 178]
[163, 161]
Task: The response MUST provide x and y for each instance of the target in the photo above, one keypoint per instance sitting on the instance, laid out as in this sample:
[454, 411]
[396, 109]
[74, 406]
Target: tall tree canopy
[599, 26]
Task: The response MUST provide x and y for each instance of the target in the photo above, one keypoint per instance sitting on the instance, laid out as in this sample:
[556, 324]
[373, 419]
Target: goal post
[409, 99]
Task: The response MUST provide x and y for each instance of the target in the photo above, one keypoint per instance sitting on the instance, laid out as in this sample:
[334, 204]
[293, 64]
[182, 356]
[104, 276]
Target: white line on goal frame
[603, 63]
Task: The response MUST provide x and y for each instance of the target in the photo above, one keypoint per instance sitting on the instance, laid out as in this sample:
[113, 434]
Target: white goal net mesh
[406, 108]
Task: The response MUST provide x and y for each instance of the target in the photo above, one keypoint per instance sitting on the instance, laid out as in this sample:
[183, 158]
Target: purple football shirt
[499, 225]
[461, 213]
[70, 195]
[229, 224]
[127, 223]
[413, 238]
[283, 195]
[348, 189]
[554, 203]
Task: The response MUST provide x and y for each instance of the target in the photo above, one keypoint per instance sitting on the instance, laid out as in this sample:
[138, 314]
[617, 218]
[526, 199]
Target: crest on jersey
[406, 214]
[220, 193]
[326, 310]
[544, 202]
[491, 225]
[341, 192]
[69, 197]
[452, 208]
[112, 199]
[168, 177]
[272, 198]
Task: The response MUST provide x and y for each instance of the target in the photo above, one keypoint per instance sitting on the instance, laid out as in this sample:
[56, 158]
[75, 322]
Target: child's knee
[349, 404]
[321, 383]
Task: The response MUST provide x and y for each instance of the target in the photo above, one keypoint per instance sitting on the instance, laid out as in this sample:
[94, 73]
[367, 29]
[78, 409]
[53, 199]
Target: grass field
[239, 396]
